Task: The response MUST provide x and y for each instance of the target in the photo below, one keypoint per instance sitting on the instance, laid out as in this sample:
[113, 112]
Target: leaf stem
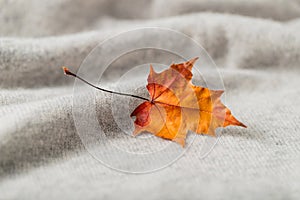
[68, 72]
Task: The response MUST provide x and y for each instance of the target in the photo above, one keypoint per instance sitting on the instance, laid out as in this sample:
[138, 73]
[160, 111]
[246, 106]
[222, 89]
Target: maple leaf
[177, 106]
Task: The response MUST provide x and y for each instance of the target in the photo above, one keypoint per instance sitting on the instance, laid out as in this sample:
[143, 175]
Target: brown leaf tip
[243, 125]
[192, 61]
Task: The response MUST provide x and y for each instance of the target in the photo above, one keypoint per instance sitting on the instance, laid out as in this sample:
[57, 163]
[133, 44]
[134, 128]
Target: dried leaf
[177, 106]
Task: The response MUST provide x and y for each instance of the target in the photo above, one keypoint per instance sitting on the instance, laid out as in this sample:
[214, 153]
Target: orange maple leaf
[177, 106]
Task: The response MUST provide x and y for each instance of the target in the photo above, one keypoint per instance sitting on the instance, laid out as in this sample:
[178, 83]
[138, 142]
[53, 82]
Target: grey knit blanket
[43, 153]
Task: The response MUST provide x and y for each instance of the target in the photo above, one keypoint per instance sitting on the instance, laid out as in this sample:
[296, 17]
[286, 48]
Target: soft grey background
[256, 45]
